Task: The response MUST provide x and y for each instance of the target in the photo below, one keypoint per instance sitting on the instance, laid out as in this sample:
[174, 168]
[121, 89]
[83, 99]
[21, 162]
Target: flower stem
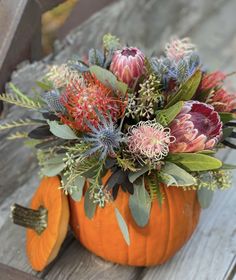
[30, 218]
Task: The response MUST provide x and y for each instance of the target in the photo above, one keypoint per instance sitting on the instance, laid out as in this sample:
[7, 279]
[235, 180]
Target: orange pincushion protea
[82, 97]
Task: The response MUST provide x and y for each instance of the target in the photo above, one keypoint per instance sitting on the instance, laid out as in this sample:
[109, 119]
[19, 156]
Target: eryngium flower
[197, 127]
[52, 98]
[81, 99]
[219, 98]
[149, 140]
[128, 64]
[105, 138]
[179, 48]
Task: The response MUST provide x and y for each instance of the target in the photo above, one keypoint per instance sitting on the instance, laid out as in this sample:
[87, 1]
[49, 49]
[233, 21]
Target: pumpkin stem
[30, 218]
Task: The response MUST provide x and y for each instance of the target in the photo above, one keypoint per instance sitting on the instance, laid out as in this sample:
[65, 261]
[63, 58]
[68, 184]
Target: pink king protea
[197, 127]
[128, 64]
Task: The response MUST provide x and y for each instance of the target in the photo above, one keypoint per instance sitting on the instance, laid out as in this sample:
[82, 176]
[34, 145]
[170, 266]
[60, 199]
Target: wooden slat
[126, 18]
[46, 5]
[9, 273]
[20, 23]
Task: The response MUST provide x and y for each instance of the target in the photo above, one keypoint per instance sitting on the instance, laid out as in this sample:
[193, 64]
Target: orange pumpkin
[168, 229]
[46, 221]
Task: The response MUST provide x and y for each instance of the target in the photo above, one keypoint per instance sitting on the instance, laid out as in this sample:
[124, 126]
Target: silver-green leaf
[62, 131]
[89, 205]
[135, 175]
[123, 226]
[181, 177]
[205, 197]
[53, 166]
[77, 190]
[140, 203]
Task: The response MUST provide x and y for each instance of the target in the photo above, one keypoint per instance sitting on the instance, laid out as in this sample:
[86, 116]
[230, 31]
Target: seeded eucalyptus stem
[30, 218]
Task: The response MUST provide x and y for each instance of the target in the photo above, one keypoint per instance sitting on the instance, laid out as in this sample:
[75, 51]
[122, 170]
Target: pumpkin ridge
[162, 259]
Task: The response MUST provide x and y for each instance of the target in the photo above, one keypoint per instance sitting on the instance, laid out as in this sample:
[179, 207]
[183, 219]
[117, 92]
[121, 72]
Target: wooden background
[211, 253]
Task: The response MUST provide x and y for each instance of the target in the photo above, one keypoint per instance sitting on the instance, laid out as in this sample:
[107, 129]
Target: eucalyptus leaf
[52, 169]
[186, 90]
[89, 205]
[140, 203]
[108, 79]
[205, 197]
[181, 177]
[133, 176]
[194, 161]
[53, 166]
[122, 225]
[77, 190]
[62, 131]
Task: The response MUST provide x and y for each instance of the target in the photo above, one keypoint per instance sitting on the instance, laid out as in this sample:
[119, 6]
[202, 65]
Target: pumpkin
[168, 229]
[46, 222]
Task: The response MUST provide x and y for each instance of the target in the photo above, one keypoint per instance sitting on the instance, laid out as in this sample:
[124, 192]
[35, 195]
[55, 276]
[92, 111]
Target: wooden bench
[211, 253]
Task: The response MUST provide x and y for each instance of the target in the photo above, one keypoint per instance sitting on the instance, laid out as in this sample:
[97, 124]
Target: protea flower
[212, 80]
[222, 100]
[219, 98]
[149, 140]
[83, 97]
[128, 64]
[197, 127]
[179, 48]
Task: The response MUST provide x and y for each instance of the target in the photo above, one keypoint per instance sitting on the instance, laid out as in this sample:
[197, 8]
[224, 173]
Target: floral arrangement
[149, 121]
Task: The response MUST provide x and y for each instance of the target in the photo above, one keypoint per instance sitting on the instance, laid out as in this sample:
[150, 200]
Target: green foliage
[123, 226]
[45, 85]
[154, 187]
[53, 166]
[76, 189]
[205, 197]
[126, 164]
[108, 79]
[133, 176]
[166, 116]
[194, 161]
[186, 90]
[111, 42]
[226, 117]
[18, 123]
[174, 175]
[62, 131]
[216, 179]
[20, 99]
[17, 135]
[89, 205]
[140, 203]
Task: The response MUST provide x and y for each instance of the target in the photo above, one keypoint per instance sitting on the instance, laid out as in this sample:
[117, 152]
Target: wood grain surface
[210, 254]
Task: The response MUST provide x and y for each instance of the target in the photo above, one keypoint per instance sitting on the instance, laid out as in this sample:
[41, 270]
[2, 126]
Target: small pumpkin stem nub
[30, 218]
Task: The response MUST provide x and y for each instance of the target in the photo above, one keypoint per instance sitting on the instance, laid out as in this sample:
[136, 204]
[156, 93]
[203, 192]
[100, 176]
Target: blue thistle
[106, 138]
[52, 98]
[180, 71]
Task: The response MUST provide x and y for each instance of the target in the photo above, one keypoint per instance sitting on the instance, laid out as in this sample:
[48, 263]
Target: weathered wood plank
[78, 263]
[9, 273]
[126, 18]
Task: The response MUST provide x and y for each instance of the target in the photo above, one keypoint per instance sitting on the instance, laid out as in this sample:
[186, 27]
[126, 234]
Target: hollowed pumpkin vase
[169, 228]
